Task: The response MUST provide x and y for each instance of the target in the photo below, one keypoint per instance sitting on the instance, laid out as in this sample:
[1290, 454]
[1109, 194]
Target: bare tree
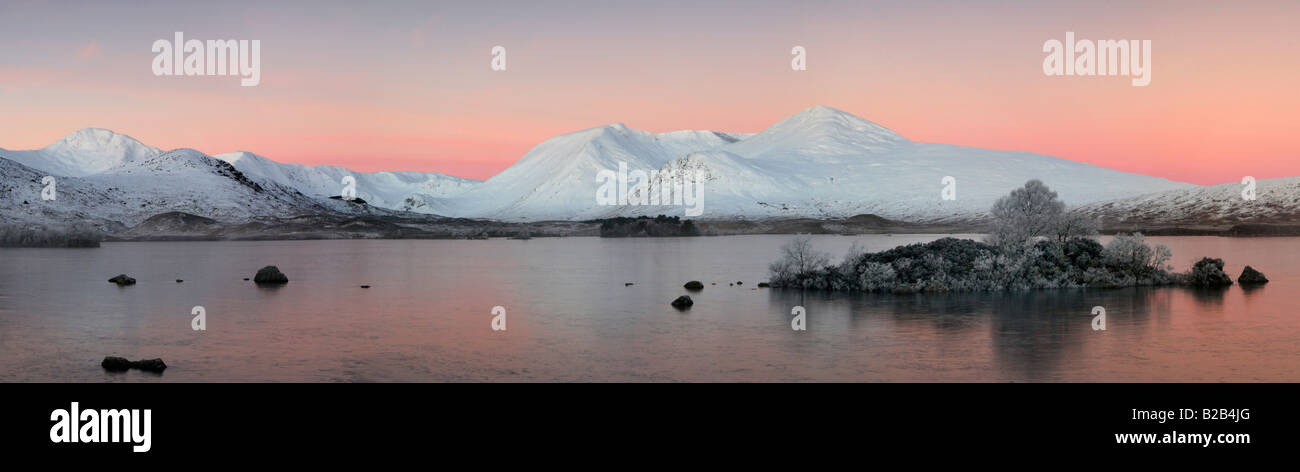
[798, 258]
[1070, 225]
[1026, 213]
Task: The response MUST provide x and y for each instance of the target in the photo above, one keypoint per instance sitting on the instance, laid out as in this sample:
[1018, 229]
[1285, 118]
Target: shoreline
[184, 227]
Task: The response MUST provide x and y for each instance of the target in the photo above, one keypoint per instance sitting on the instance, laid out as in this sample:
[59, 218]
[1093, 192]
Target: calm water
[570, 317]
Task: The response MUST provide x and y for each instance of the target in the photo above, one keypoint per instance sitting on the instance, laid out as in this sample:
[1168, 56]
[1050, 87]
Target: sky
[391, 85]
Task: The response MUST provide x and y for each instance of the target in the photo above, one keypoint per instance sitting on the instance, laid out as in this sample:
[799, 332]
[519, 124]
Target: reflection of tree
[1210, 295]
[1032, 336]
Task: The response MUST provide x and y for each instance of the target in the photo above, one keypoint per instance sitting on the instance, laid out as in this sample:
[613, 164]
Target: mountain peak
[820, 131]
[96, 139]
[821, 115]
[85, 152]
[823, 110]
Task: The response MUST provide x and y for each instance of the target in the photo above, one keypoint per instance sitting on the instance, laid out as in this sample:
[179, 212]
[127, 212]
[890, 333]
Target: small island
[644, 226]
[1034, 243]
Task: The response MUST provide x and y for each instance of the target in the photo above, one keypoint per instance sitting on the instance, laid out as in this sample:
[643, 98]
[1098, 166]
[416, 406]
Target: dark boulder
[694, 285]
[1208, 272]
[1250, 276]
[115, 364]
[122, 280]
[150, 365]
[270, 275]
[764, 285]
[683, 302]
[120, 364]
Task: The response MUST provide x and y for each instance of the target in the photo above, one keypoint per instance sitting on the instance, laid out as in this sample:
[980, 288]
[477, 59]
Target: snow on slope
[182, 180]
[85, 152]
[93, 151]
[420, 192]
[822, 162]
[556, 179]
[1276, 201]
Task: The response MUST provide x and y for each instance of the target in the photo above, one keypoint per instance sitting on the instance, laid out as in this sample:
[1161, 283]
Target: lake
[570, 317]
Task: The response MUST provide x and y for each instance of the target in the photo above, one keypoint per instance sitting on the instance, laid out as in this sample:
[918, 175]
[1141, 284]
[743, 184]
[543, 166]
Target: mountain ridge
[820, 163]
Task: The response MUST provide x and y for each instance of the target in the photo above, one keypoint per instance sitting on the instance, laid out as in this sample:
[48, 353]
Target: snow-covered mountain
[819, 163]
[111, 176]
[822, 162]
[557, 179]
[85, 152]
[182, 180]
[420, 192]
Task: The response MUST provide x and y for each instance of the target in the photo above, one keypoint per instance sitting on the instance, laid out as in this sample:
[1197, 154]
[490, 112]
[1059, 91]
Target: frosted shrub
[877, 277]
[1208, 272]
[951, 264]
[1131, 256]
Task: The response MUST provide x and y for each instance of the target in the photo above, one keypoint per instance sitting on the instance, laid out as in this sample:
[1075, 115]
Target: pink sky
[409, 87]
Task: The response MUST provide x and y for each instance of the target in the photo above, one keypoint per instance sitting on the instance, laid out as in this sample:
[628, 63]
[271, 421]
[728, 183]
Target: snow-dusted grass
[16, 236]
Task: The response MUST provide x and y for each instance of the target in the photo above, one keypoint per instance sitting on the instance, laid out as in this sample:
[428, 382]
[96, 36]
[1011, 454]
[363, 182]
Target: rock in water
[122, 280]
[150, 365]
[764, 285]
[120, 364]
[115, 364]
[683, 302]
[694, 285]
[1250, 276]
[1208, 272]
[270, 275]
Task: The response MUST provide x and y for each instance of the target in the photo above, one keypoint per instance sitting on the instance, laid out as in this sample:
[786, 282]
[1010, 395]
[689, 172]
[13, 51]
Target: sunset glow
[408, 87]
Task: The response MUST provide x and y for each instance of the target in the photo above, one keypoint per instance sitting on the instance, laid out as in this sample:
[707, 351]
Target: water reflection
[571, 317]
[1032, 336]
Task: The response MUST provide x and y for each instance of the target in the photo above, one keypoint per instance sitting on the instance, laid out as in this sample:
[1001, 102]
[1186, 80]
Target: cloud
[88, 51]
